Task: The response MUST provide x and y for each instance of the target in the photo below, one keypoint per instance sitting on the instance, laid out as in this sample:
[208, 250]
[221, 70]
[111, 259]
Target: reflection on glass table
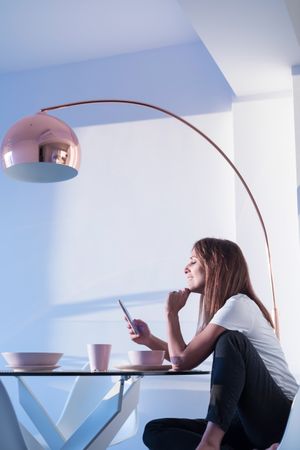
[101, 409]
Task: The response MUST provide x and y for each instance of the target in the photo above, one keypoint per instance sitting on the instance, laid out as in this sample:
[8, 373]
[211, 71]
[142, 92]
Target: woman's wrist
[154, 343]
[171, 315]
[149, 342]
[171, 312]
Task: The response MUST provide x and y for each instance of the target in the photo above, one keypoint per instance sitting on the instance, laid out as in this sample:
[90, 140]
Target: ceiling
[38, 33]
[255, 43]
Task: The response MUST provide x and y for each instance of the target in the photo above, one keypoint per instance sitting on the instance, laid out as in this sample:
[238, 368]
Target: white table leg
[99, 427]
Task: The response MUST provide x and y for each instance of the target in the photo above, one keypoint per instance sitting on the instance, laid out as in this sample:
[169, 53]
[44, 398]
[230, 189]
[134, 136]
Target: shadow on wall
[102, 321]
[107, 303]
[71, 326]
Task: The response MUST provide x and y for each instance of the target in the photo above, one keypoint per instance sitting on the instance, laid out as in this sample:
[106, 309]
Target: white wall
[125, 227]
[265, 153]
[296, 98]
[183, 78]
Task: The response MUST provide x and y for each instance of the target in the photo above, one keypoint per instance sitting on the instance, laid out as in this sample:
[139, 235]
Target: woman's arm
[156, 343]
[200, 347]
[182, 356]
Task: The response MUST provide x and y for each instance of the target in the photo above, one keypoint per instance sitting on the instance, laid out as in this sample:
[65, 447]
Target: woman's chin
[192, 289]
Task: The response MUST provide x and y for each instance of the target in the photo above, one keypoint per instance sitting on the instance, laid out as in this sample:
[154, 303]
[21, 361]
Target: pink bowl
[18, 359]
[146, 357]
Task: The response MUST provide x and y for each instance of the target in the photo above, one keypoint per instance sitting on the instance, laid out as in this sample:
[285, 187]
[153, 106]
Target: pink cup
[99, 355]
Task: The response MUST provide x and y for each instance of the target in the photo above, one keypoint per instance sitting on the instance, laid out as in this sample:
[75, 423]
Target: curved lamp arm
[219, 150]
[42, 148]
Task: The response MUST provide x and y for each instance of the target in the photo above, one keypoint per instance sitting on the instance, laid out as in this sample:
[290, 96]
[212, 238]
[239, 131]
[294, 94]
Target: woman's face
[195, 274]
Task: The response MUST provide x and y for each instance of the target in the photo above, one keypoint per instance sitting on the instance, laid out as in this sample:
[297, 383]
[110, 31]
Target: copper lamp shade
[40, 148]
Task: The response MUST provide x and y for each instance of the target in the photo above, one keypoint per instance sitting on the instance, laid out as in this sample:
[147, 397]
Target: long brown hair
[226, 274]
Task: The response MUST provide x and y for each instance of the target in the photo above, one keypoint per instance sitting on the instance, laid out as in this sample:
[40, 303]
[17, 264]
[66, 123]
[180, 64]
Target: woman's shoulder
[243, 306]
[235, 314]
[239, 299]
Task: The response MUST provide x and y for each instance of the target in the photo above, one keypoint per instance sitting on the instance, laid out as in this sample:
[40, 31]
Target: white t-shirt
[240, 313]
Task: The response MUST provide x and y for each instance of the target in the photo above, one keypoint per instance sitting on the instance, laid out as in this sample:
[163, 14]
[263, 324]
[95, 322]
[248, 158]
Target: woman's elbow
[180, 363]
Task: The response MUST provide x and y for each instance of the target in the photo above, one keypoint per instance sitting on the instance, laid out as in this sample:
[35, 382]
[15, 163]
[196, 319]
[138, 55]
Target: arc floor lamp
[43, 148]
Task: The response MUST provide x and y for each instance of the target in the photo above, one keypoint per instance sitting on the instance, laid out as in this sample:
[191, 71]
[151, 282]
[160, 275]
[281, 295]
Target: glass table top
[63, 373]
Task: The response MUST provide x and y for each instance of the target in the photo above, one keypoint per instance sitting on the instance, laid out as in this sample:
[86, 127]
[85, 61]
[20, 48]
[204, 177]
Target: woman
[251, 385]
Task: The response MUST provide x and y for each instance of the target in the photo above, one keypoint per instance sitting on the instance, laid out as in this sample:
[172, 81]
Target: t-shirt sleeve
[235, 315]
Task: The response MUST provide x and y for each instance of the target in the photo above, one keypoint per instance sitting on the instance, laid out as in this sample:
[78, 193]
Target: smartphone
[133, 326]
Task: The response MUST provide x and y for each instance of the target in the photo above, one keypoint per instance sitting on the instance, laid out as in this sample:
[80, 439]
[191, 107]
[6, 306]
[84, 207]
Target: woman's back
[242, 314]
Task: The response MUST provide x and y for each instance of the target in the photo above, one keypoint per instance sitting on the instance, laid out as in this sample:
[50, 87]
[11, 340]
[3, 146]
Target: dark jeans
[245, 402]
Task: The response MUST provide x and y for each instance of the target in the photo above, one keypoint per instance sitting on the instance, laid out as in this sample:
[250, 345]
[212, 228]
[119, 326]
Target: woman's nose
[186, 269]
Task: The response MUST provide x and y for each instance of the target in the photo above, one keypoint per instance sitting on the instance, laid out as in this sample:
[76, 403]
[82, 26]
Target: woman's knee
[152, 430]
[165, 433]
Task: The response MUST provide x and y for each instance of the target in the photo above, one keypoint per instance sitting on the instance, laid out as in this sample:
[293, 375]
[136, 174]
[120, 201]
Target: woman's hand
[176, 301]
[144, 332]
